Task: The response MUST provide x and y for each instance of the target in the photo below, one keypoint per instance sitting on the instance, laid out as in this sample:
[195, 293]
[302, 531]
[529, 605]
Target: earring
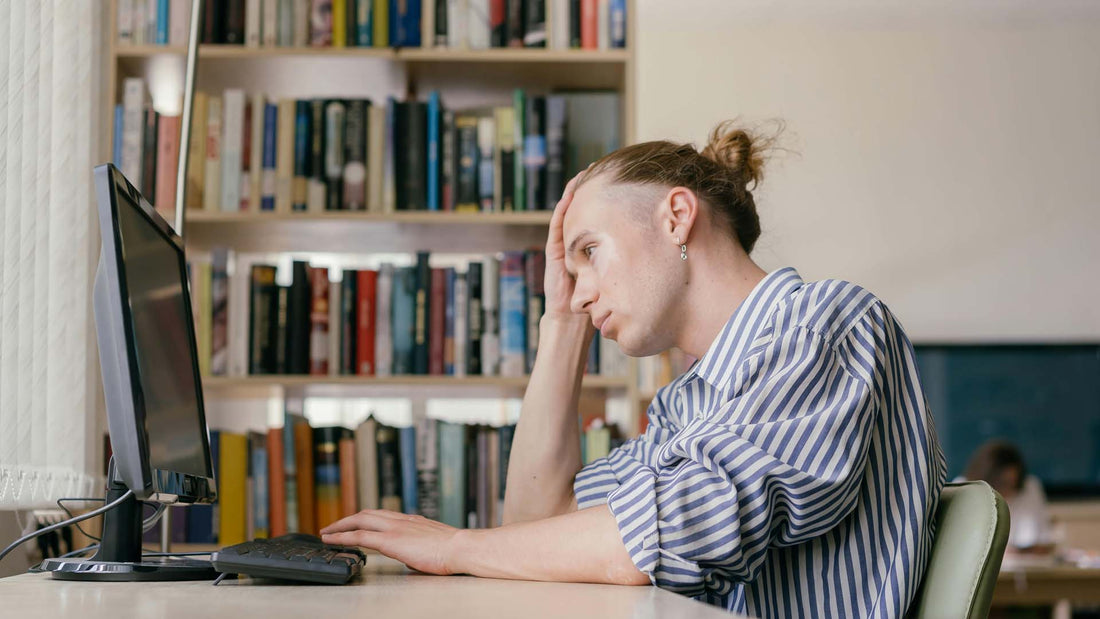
[683, 251]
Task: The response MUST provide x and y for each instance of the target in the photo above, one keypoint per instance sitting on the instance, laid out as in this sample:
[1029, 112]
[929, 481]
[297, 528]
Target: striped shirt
[794, 470]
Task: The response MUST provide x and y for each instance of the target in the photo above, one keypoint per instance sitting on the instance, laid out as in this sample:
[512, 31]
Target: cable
[79, 551]
[177, 554]
[70, 514]
[64, 523]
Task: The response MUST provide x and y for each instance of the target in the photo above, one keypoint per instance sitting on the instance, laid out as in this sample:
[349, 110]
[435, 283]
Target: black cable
[64, 523]
[70, 514]
[79, 551]
[177, 554]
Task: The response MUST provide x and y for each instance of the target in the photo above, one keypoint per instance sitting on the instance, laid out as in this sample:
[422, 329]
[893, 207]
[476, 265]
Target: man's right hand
[558, 283]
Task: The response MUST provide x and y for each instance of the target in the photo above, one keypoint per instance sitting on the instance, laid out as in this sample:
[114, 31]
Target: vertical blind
[50, 114]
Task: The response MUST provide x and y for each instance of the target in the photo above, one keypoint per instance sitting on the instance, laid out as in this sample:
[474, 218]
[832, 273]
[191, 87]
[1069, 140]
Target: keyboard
[295, 556]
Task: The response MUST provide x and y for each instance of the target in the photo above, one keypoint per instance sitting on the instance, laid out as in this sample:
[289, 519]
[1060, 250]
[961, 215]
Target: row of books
[298, 478]
[252, 153]
[469, 24]
[393, 320]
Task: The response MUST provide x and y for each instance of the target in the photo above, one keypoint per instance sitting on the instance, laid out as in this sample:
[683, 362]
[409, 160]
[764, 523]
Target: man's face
[622, 269]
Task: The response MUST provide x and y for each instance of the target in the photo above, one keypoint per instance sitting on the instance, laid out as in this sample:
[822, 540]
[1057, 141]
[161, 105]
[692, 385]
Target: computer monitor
[151, 384]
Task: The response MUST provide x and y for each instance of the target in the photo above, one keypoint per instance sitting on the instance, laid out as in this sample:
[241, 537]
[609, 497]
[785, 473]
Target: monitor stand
[119, 555]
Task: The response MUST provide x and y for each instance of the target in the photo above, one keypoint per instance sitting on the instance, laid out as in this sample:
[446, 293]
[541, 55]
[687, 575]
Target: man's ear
[677, 214]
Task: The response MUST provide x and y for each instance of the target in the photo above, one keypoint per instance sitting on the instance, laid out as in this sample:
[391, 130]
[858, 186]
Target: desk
[386, 589]
[1059, 586]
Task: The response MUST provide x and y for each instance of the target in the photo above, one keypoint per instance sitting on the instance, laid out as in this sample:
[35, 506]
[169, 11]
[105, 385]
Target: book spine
[381, 17]
[284, 156]
[490, 307]
[449, 321]
[349, 322]
[555, 149]
[282, 311]
[318, 321]
[515, 22]
[238, 318]
[321, 23]
[536, 303]
[422, 308]
[219, 312]
[212, 192]
[589, 25]
[304, 470]
[466, 191]
[440, 31]
[326, 469]
[276, 479]
[486, 179]
[234, 22]
[298, 320]
[383, 335]
[411, 166]
[244, 202]
[389, 468]
[348, 482]
[461, 329]
[366, 460]
[519, 113]
[458, 13]
[471, 476]
[355, 156]
[575, 29]
[603, 24]
[179, 22]
[203, 317]
[233, 132]
[534, 34]
[261, 320]
[376, 155]
[339, 23]
[534, 153]
[149, 152]
[404, 320]
[302, 121]
[475, 315]
[300, 28]
[389, 183]
[285, 23]
[452, 474]
[410, 502]
[434, 115]
[232, 482]
[141, 8]
[335, 326]
[258, 469]
[168, 143]
[162, 15]
[125, 22]
[364, 27]
[476, 26]
[293, 407]
[197, 168]
[437, 323]
[252, 16]
[559, 23]
[269, 30]
[267, 181]
[618, 23]
[317, 199]
[365, 351]
[427, 468]
[257, 156]
[504, 153]
[447, 162]
[513, 315]
[498, 25]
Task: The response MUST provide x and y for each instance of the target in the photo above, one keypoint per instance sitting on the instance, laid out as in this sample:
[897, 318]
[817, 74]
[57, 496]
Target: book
[303, 456]
[284, 156]
[376, 154]
[349, 323]
[335, 113]
[437, 322]
[293, 409]
[276, 479]
[389, 468]
[366, 458]
[149, 153]
[197, 167]
[317, 186]
[381, 17]
[504, 160]
[282, 312]
[298, 322]
[555, 149]
[617, 25]
[219, 312]
[534, 153]
[519, 114]
[335, 327]
[536, 302]
[262, 316]
[434, 114]
[498, 23]
[168, 149]
[258, 486]
[349, 501]
[589, 25]
[490, 318]
[318, 321]
[289, 15]
[461, 307]
[267, 179]
[203, 324]
[252, 24]
[448, 320]
[427, 468]
[364, 24]
[409, 474]
[474, 319]
[326, 468]
[355, 156]
[447, 162]
[534, 34]
[303, 127]
[467, 197]
[366, 290]
[422, 309]
[383, 332]
[452, 474]
[232, 480]
[486, 142]
[257, 156]
[234, 22]
[513, 314]
[404, 320]
[232, 145]
[411, 161]
[322, 23]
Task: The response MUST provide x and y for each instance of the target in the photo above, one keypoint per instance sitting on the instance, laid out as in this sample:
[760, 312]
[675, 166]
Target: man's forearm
[546, 452]
[583, 546]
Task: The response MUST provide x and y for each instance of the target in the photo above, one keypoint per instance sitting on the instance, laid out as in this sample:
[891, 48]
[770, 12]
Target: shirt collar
[725, 352]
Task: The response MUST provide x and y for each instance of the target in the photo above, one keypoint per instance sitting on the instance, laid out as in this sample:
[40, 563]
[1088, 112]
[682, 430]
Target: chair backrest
[971, 534]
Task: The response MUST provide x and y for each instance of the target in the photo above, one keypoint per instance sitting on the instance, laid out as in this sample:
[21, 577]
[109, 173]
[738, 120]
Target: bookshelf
[474, 76]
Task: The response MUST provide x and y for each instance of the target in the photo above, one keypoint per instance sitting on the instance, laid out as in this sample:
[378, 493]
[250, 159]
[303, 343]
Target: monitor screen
[155, 279]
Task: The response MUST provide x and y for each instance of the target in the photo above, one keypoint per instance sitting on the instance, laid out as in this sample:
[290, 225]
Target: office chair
[971, 534]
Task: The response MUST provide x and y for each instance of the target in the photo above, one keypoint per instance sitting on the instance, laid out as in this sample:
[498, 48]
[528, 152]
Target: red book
[437, 321]
[276, 483]
[318, 321]
[303, 462]
[590, 33]
[368, 283]
[348, 485]
[246, 159]
[168, 152]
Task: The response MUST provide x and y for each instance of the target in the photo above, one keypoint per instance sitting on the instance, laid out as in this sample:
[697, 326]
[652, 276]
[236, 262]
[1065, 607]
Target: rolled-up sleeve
[778, 464]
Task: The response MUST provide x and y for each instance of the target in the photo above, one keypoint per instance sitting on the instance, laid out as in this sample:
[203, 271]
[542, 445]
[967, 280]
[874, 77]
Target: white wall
[949, 155]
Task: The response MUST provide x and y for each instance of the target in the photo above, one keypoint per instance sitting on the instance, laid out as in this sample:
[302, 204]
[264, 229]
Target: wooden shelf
[265, 386]
[406, 54]
[516, 218]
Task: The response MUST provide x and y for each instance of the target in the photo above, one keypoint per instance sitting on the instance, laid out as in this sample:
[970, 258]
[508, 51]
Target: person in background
[1001, 465]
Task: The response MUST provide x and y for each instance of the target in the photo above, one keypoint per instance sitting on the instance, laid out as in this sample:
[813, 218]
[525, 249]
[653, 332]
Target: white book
[490, 308]
[252, 26]
[335, 327]
[477, 24]
[179, 22]
[151, 21]
[125, 22]
[603, 24]
[285, 27]
[301, 23]
[269, 23]
[256, 154]
[376, 154]
[457, 14]
[237, 326]
[612, 360]
[212, 176]
[133, 123]
[461, 323]
[366, 458]
[139, 27]
[383, 330]
[284, 156]
[427, 24]
[558, 12]
[232, 147]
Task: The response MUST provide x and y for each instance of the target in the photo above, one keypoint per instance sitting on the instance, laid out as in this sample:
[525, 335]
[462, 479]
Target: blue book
[449, 321]
[617, 14]
[201, 526]
[364, 23]
[303, 114]
[513, 314]
[435, 113]
[267, 181]
[403, 312]
[407, 448]
[452, 474]
[116, 156]
[162, 22]
[258, 461]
